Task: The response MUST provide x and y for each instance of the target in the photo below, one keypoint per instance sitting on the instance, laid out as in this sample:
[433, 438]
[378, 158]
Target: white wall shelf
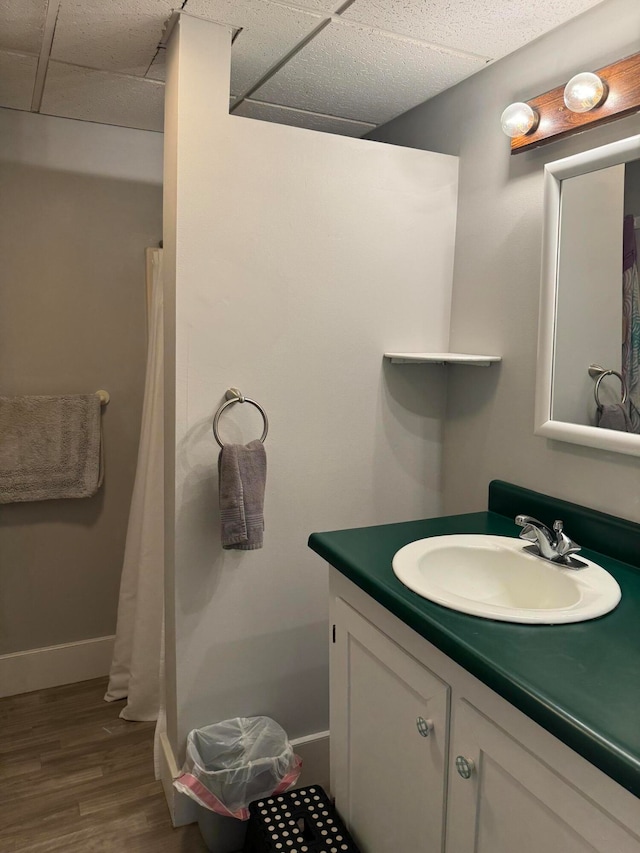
[441, 358]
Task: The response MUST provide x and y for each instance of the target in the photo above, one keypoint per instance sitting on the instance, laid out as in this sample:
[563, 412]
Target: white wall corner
[51, 666]
[208, 44]
[181, 808]
[314, 752]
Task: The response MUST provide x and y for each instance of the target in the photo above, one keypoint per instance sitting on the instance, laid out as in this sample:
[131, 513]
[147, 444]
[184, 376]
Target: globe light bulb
[584, 92]
[518, 119]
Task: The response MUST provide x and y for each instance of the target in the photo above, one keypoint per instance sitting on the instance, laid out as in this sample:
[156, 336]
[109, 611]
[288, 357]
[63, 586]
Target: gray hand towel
[50, 447]
[614, 416]
[242, 474]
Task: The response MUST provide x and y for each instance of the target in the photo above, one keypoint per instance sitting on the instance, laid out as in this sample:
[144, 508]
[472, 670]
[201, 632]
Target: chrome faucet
[552, 545]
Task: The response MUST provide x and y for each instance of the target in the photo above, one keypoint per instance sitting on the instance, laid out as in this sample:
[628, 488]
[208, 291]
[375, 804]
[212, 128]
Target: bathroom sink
[496, 578]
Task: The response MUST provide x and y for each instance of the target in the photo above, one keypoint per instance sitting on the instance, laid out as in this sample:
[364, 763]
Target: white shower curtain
[135, 669]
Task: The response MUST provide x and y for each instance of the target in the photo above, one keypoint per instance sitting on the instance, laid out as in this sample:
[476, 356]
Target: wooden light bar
[556, 121]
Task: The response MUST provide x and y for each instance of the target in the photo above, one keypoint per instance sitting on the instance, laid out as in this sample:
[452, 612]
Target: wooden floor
[76, 778]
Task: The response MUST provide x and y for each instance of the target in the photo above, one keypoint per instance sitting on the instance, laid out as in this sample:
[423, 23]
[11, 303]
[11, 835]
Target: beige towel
[242, 474]
[50, 447]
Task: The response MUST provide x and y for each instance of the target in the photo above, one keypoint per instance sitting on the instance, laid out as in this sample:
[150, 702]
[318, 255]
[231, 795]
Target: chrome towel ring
[235, 396]
[601, 372]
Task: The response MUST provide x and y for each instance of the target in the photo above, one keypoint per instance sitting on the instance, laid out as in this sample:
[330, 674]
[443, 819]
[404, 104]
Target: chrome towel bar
[235, 396]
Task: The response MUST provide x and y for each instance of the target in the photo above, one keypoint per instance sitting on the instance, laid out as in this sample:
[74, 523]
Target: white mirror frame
[554, 173]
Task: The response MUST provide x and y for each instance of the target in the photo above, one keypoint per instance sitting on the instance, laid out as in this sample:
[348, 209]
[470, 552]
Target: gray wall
[490, 416]
[74, 226]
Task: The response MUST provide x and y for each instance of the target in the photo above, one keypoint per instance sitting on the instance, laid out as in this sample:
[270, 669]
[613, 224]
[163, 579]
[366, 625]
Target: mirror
[588, 378]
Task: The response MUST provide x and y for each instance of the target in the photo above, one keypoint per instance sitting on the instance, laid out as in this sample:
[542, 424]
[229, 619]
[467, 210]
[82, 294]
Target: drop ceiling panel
[111, 35]
[21, 24]
[101, 96]
[17, 76]
[356, 72]
[359, 69]
[324, 7]
[269, 32]
[475, 26]
[297, 118]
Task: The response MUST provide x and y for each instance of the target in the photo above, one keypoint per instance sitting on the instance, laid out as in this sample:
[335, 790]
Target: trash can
[230, 764]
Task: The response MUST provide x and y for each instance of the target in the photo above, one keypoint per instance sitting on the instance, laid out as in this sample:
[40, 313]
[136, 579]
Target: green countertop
[581, 682]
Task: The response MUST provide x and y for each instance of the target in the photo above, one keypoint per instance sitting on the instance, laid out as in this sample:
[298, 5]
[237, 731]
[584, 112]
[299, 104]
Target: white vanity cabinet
[404, 715]
[389, 733]
[512, 801]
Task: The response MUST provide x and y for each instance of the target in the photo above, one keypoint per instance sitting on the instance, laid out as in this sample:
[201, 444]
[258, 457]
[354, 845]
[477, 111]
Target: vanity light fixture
[519, 119]
[587, 100]
[584, 92]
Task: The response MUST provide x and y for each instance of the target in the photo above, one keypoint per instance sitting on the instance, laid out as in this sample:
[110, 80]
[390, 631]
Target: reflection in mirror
[631, 292]
[588, 384]
[598, 300]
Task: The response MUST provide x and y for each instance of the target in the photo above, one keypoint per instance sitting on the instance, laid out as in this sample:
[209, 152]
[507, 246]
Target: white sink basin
[494, 577]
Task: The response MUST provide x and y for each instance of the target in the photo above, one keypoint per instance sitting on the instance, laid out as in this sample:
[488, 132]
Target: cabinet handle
[464, 766]
[425, 727]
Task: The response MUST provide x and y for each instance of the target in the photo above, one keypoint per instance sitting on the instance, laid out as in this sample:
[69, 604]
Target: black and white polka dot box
[300, 821]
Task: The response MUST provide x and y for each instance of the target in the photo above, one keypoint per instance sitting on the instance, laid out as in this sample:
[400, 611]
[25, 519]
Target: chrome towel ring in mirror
[601, 372]
[235, 396]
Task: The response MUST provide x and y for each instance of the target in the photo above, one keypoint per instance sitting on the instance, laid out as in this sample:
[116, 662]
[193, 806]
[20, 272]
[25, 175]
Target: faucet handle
[537, 532]
[528, 521]
[528, 524]
[564, 545]
[523, 520]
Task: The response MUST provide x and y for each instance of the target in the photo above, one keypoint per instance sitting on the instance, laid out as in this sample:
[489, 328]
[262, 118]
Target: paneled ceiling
[338, 67]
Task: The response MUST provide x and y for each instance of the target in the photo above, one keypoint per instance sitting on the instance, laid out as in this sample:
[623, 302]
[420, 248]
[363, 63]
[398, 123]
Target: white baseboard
[51, 666]
[312, 749]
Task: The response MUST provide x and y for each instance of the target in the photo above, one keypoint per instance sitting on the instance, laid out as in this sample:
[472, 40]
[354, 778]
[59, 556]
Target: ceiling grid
[339, 67]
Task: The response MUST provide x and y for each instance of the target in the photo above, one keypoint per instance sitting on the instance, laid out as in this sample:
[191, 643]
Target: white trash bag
[232, 763]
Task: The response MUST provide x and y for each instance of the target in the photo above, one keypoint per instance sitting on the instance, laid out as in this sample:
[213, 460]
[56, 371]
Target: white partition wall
[295, 259]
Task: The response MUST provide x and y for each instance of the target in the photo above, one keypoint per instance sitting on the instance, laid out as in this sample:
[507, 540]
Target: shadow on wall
[412, 403]
[198, 544]
[479, 391]
[82, 512]
[68, 523]
[413, 389]
[414, 398]
[244, 671]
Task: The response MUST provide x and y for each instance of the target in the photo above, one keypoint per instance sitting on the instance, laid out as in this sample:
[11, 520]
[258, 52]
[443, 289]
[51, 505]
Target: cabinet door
[512, 801]
[388, 741]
